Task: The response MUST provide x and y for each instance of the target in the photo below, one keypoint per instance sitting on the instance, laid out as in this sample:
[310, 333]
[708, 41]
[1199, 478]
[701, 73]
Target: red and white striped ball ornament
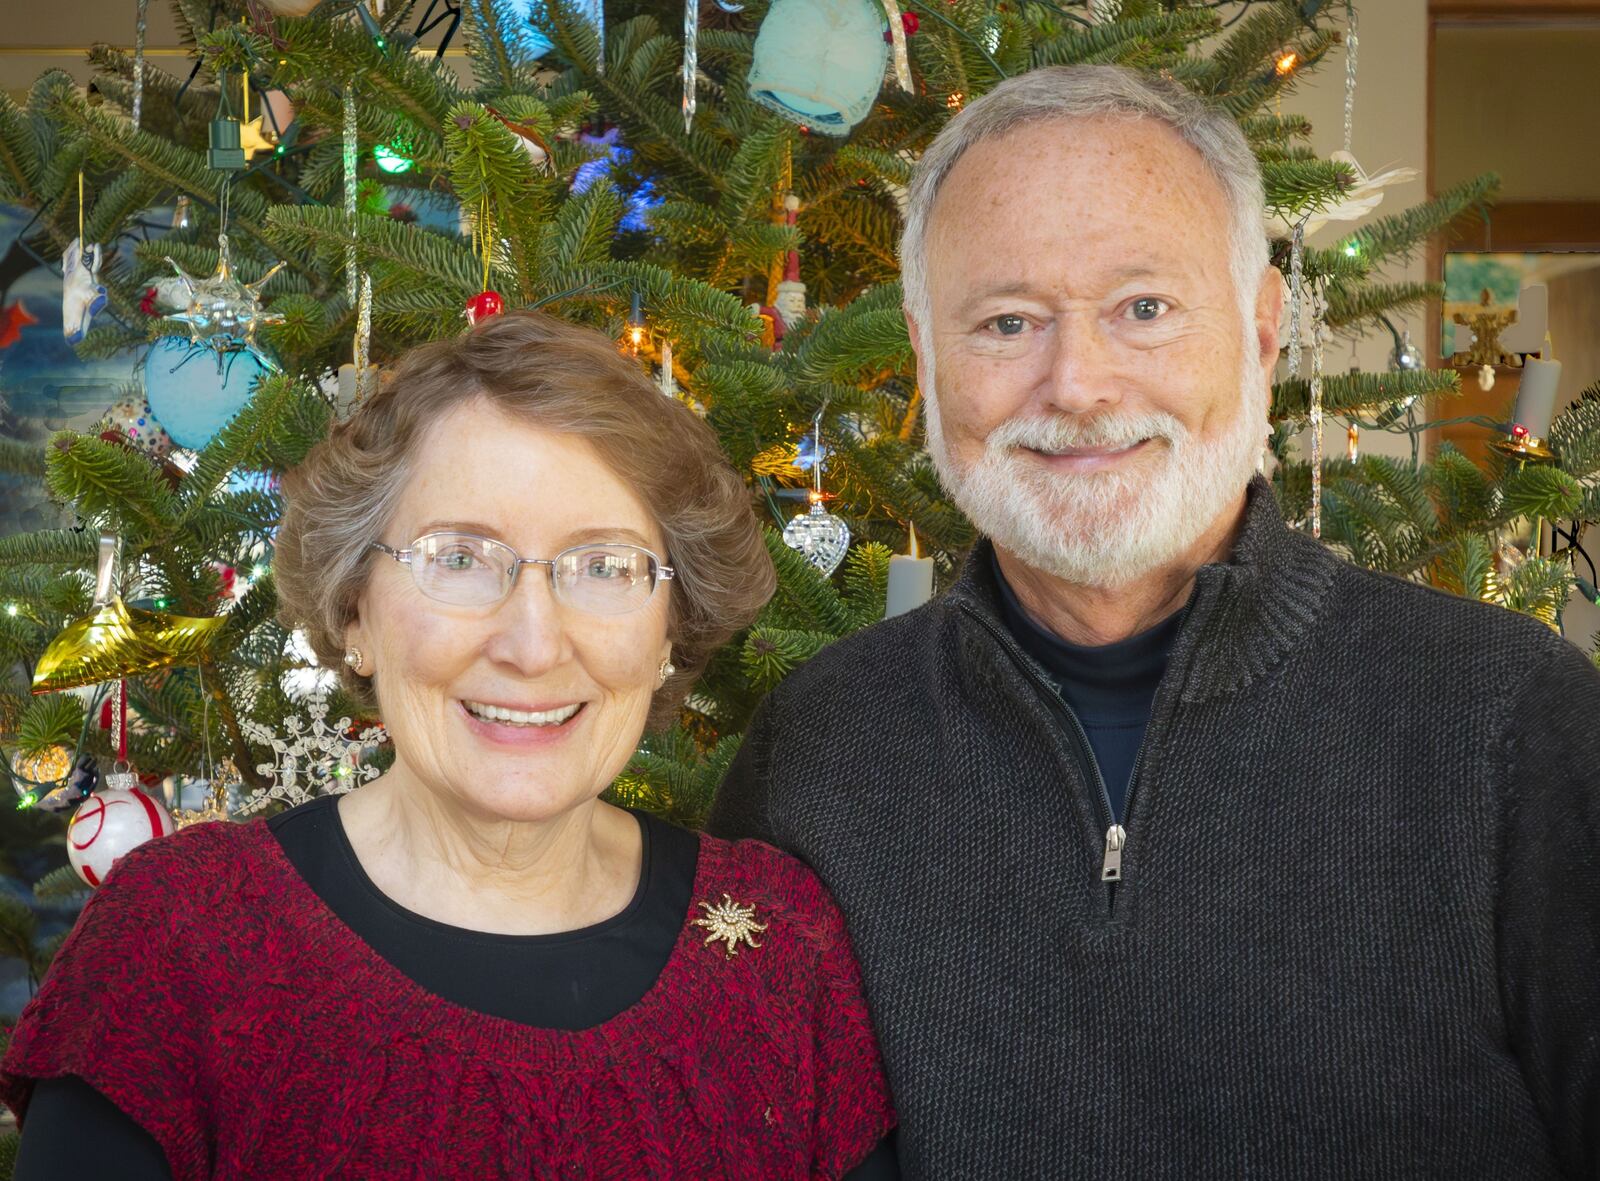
[107, 825]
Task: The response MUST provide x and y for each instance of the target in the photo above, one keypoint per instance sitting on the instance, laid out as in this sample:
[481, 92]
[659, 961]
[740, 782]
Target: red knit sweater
[213, 997]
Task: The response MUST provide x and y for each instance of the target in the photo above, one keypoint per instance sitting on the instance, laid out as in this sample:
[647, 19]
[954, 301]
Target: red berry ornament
[483, 305]
[909, 22]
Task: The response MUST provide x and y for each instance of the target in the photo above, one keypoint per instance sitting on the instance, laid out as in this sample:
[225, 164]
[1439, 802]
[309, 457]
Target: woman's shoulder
[782, 891]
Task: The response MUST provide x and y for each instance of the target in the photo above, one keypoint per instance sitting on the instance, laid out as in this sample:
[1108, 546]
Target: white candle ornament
[910, 581]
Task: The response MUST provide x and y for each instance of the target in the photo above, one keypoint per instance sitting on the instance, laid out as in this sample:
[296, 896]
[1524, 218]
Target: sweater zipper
[1116, 835]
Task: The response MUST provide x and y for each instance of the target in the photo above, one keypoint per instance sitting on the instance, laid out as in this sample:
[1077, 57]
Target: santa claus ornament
[108, 824]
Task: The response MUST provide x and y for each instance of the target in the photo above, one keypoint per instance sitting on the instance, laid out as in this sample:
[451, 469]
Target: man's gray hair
[1060, 92]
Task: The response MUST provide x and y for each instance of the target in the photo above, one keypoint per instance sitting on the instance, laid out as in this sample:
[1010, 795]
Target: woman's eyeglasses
[466, 570]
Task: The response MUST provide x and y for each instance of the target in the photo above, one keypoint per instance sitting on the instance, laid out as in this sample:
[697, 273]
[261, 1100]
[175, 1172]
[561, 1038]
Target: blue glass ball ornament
[820, 63]
[194, 390]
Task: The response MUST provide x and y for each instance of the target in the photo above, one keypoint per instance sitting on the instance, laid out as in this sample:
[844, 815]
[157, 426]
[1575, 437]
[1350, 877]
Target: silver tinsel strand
[1351, 43]
[138, 61]
[363, 337]
[1297, 256]
[351, 280]
[1319, 308]
[691, 58]
[600, 37]
[1103, 12]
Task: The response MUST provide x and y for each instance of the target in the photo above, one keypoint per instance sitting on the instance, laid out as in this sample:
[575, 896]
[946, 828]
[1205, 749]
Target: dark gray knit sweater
[1358, 928]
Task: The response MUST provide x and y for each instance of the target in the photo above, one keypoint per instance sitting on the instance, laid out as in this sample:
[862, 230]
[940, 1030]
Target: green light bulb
[390, 159]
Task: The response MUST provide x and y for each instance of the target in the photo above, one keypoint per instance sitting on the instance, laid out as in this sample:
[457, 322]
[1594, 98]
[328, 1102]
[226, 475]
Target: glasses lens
[461, 569]
[605, 579]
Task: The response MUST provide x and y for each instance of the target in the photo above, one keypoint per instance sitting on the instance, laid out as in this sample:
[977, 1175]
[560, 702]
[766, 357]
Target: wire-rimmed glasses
[466, 570]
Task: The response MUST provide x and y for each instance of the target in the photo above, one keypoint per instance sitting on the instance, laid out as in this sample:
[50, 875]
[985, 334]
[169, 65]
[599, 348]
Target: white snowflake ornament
[313, 759]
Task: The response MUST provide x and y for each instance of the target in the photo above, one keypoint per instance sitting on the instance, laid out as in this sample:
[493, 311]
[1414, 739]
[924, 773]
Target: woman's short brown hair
[561, 378]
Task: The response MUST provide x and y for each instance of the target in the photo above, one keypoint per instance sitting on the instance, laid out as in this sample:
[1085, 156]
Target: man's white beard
[1111, 527]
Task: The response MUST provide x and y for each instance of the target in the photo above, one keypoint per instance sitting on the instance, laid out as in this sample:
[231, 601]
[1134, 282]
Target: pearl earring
[666, 670]
[352, 657]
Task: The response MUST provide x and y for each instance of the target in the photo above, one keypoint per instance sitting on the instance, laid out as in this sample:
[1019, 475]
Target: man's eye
[1146, 307]
[1009, 325]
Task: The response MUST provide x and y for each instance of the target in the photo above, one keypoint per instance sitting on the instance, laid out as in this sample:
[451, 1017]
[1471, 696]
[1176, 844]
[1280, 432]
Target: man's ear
[1269, 314]
[914, 329]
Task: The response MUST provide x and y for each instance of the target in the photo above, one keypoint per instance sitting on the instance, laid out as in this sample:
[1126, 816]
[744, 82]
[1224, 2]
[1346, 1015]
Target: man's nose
[1084, 367]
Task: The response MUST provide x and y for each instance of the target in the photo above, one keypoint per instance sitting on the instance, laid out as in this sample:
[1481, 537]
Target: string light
[954, 99]
[12, 609]
[394, 157]
[636, 330]
[1286, 63]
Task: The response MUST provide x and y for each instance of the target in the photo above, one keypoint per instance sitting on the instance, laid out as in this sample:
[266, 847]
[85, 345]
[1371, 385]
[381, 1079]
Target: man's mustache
[1058, 432]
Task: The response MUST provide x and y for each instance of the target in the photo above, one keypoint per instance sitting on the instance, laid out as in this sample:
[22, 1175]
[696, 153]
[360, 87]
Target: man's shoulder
[1417, 612]
[877, 657]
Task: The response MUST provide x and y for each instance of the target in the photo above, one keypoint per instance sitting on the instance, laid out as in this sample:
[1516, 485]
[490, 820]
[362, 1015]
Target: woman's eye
[455, 560]
[1009, 325]
[1146, 307]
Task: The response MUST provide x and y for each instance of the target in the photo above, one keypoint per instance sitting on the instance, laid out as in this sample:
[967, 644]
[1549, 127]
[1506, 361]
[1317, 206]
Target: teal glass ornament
[820, 63]
[198, 389]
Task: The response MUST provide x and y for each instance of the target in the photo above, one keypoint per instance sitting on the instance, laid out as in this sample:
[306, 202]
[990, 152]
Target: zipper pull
[1111, 867]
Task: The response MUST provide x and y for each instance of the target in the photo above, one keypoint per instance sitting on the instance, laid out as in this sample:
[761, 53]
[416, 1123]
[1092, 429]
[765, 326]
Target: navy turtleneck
[1111, 688]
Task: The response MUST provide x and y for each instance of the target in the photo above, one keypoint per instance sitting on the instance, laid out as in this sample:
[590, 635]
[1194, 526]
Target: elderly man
[1171, 845]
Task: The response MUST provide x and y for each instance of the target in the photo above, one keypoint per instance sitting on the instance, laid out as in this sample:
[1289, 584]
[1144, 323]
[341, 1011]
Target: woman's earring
[352, 657]
[666, 670]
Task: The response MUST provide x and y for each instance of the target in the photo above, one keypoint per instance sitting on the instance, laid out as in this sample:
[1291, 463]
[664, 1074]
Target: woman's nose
[529, 631]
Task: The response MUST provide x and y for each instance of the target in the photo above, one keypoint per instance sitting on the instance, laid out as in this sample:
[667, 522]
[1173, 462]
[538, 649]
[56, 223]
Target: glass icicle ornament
[351, 147]
[1297, 255]
[691, 59]
[1319, 308]
[1351, 43]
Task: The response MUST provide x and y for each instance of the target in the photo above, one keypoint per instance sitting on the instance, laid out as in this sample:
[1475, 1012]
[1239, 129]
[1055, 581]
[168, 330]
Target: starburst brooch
[730, 922]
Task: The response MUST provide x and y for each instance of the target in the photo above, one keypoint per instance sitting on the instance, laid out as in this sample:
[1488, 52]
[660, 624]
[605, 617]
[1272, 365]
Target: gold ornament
[1486, 325]
[43, 768]
[730, 922]
[119, 641]
[216, 808]
[1519, 444]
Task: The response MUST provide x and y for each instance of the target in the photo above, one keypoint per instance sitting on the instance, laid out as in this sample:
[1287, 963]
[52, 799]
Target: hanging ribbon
[138, 60]
[897, 39]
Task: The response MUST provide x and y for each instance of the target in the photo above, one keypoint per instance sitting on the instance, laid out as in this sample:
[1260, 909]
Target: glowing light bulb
[391, 157]
[1286, 63]
[12, 608]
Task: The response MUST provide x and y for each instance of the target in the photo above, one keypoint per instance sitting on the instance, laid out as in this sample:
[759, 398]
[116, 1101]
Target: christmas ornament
[896, 34]
[289, 7]
[393, 157]
[909, 21]
[668, 380]
[483, 305]
[117, 640]
[529, 140]
[820, 63]
[730, 923]
[790, 299]
[38, 770]
[194, 392]
[255, 137]
[821, 538]
[1319, 309]
[218, 795]
[1354, 204]
[1405, 356]
[691, 56]
[315, 759]
[350, 155]
[80, 784]
[363, 342]
[223, 313]
[134, 420]
[13, 319]
[107, 825]
[1351, 43]
[1103, 12]
[139, 22]
[183, 213]
[1352, 450]
[82, 293]
[1522, 444]
[1297, 254]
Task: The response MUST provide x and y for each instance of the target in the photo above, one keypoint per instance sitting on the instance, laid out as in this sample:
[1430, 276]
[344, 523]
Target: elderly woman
[473, 966]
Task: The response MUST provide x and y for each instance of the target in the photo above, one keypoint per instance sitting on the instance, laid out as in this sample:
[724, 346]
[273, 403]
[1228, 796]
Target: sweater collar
[1247, 614]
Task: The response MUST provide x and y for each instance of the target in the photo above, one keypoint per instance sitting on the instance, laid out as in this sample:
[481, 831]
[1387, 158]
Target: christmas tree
[651, 177]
